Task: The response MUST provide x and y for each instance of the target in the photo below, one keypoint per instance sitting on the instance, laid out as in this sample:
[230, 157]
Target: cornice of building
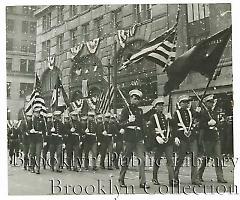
[41, 10]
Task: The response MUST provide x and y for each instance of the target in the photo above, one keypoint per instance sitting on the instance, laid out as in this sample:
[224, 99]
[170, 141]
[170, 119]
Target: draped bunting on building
[75, 50]
[93, 45]
[51, 61]
[123, 35]
[11, 123]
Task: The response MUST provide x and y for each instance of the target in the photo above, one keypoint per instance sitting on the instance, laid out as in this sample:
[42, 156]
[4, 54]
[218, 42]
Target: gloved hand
[177, 141]
[32, 131]
[131, 118]
[98, 143]
[212, 122]
[122, 131]
[168, 116]
[198, 109]
[86, 130]
[44, 144]
[159, 140]
[53, 129]
[63, 146]
[104, 132]
[73, 130]
[114, 145]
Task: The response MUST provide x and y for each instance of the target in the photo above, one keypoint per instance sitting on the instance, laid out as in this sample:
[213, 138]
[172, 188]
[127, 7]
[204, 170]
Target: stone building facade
[60, 28]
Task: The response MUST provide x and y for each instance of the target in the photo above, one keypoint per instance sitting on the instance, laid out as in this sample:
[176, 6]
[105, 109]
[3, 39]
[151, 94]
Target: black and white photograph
[113, 99]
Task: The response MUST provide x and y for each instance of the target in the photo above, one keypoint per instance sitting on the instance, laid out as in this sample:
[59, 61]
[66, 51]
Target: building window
[26, 10]
[60, 43]
[85, 31]
[9, 44]
[32, 9]
[8, 113]
[31, 66]
[25, 27]
[32, 46]
[10, 9]
[8, 89]
[117, 19]
[142, 12]
[9, 64]
[46, 22]
[148, 12]
[23, 65]
[84, 7]
[98, 26]
[60, 15]
[73, 11]
[25, 89]
[45, 49]
[24, 46]
[197, 11]
[73, 35]
[10, 25]
[33, 27]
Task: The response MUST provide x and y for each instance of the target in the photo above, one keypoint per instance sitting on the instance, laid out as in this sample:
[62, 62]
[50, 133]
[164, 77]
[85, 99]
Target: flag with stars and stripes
[161, 50]
[36, 100]
[105, 100]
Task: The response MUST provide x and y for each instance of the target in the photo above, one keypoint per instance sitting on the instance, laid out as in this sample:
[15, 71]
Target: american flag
[77, 105]
[105, 100]
[36, 100]
[161, 50]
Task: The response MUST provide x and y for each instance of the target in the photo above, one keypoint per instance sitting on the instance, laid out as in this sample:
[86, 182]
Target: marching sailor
[132, 121]
[185, 130]
[161, 138]
[212, 145]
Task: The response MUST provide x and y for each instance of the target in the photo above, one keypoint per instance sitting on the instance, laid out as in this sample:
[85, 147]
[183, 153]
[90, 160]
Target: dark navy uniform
[37, 136]
[188, 140]
[159, 149]
[73, 144]
[212, 144]
[106, 141]
[133, 141]
[46, 147]
[26, 127]
[90, 142]
[14, 135]
[56, 142]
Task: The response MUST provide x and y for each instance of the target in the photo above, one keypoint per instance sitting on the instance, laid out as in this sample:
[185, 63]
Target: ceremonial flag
[105, 100]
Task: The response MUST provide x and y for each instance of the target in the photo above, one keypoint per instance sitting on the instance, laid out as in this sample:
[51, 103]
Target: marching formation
[86, 137]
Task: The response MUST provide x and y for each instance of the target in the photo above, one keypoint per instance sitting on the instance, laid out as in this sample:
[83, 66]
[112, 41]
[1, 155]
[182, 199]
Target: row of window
[141, 13]
[27, 26]
[27, 46]
[26, 66]
[26, 10]
[25, 89]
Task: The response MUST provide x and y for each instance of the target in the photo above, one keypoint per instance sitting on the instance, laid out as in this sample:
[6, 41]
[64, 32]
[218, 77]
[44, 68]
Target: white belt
[37, 132]
[213, 128]
[134, 127]
[182, 129]
[54, 134]
[91, 133]
[74, 134]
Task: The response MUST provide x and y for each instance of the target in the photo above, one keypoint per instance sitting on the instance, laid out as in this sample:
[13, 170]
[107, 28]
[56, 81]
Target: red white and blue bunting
[93, 45]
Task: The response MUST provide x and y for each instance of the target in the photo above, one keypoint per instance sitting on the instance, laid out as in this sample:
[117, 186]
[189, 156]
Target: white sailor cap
[99, 116]
[28, 114]
[91, 113]
[107, 115]
[208, 98]
[183, 98]
[74, 112]
[84, 117]
[57, 112]
[37, 109]
[49, 115]
[135, 92]
[158, 100]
